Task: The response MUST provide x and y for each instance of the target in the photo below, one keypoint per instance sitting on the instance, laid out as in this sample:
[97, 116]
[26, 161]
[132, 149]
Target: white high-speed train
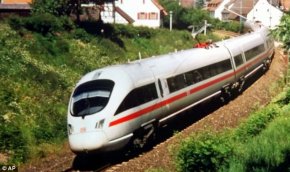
[115, 105]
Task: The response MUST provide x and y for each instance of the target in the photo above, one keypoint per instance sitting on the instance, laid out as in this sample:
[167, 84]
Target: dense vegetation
[261, 143]
[43, 56]
[282, 32]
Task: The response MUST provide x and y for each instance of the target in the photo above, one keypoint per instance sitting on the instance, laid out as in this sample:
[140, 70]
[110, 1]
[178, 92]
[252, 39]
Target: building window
[153, 16]
[142, 16]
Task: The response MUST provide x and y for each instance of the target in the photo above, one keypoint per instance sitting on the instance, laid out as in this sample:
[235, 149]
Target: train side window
[197, 77]
[220, 67]
[254, 52]
[189, 78]
[176, 83]
[238, 60]
[138, 96]
[206, 72]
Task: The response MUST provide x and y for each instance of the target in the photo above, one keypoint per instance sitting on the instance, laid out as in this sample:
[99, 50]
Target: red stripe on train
[181, 95]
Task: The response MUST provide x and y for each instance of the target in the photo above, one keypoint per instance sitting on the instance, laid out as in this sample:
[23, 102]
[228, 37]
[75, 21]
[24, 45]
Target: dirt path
[229, 115]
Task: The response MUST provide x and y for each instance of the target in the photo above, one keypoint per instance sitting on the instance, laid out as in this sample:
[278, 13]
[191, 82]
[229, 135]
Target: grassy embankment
[39, 65]
[261, 143]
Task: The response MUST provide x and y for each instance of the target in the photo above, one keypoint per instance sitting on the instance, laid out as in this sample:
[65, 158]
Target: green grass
[261, 143]
[269, 151]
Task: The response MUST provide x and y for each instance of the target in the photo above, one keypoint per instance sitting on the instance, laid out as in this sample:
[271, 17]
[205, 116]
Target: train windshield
[91, 97]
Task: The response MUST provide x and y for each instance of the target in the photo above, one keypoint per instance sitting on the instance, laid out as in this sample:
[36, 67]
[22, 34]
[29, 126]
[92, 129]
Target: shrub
[269, 151]
[286, 99]
[12, 139]
[207, 152]
[82, 35]
[257, 122]
[133, 32]
[233, 26]
[42, 23]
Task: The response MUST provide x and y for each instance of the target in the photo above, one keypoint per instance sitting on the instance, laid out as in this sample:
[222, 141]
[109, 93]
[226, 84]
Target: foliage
[257, 123]
[282, 32]
[286, 99]
[261, 143]
[205, 152]
[57, 8]
[269, 151]
[228, 25]
[182, 17]
[61, 7]
[42, 23]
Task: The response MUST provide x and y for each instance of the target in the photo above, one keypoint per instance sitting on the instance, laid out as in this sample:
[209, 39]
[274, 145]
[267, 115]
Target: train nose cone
[88, 141]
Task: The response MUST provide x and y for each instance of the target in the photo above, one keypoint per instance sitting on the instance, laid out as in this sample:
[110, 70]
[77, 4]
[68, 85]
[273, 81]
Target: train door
[237, 58]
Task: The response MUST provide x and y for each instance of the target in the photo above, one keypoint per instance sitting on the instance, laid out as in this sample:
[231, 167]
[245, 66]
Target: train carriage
[112, 106]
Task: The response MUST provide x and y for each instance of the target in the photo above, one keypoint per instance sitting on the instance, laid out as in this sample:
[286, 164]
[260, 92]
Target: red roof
[16, 1]
[124, 15]
[160, 7]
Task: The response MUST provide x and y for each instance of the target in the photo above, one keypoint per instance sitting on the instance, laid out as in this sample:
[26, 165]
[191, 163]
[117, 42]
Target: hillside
[38, 72]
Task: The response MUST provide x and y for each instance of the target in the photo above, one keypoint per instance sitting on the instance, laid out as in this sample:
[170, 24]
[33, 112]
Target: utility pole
[170, 21]
[205, 27]
[114, 12]
[241, 13]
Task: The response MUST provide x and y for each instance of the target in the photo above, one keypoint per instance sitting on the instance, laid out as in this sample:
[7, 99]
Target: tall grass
[261, 143]
[269, 151]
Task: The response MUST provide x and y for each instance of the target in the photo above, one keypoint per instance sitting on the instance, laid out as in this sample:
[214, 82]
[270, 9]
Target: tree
[282, 32]
[182, 17]
[61, 7]
[55, 7]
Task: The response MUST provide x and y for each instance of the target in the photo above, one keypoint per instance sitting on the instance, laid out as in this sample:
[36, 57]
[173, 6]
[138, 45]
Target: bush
[257, 122]
[207, 152]
[286, 99]
[42, 23]
[269, 151]
[233, 26]
[12, 139]
[82, 35]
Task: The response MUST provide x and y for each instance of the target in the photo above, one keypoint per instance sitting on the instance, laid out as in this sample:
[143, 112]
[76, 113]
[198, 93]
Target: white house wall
[266, 13]
[219, 9]
[132, 8]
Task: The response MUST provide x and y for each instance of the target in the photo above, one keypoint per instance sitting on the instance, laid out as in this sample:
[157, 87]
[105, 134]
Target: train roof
[163, 66]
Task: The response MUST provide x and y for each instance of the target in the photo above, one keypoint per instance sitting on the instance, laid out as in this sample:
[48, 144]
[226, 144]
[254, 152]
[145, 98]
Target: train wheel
[226, 94]
[144, 136]
[267, 64]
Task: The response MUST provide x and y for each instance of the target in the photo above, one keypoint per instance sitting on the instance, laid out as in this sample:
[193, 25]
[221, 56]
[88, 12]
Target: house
[267, 14]
[285, 5]
[137, 12]
[18, 7]
[187, 3]
[216, 9]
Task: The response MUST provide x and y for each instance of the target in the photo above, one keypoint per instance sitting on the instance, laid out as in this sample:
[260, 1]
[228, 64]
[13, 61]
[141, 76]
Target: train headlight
[100, 124]
[70, 129]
